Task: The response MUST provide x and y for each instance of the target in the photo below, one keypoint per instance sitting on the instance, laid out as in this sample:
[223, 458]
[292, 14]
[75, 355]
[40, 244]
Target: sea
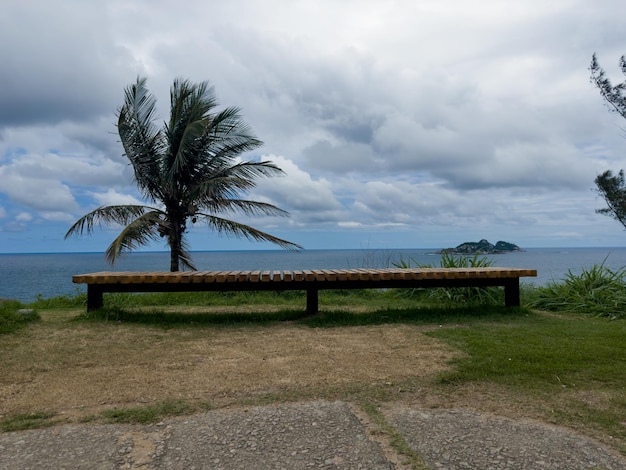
[27, 277]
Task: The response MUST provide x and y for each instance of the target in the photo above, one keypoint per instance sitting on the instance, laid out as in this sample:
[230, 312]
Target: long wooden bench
[310, 281]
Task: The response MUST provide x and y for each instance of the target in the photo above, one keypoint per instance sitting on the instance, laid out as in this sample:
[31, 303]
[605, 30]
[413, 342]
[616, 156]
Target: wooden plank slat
[243, 276]
[209, 276]
[368, 275]
[340, 274]
[396, 274]
[329, 275]
[384, 274]
[175, 278]
[163, 277]
[199, 277]
[109, 277]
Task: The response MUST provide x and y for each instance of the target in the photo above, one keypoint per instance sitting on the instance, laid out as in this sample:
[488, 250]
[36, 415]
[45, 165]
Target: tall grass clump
[597, 291]
[79, 299]
[13, 315]
[457, 295]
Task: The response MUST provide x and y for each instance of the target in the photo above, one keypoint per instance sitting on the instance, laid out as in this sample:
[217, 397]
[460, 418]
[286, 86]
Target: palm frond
[242, 206]
[230, 136]
[183, 164]
[236, 229]
[143, 143]
[190, 102]
[185, 256]
[107, 215]
[137, 233]
[228, 182]
[249, 171]
[191, 105]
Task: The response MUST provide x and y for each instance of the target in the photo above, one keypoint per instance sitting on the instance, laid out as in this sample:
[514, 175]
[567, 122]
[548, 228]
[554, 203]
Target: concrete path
[304, 436]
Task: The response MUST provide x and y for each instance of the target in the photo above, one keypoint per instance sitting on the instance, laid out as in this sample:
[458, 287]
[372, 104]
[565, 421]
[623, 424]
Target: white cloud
[398, 115]
[23, 217]
[77, 170]
[36, 192]
[307, 199]
[57, 216]
[349, 224]
[113, 198]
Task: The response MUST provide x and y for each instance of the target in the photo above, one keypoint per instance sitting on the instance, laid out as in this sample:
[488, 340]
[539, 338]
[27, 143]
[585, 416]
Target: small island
[482, 247]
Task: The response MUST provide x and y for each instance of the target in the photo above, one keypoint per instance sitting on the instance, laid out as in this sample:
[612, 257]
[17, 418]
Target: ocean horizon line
[281, 250]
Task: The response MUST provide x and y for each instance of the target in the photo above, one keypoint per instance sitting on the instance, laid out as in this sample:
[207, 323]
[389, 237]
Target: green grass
[572, 356]
[396, 439]
[151, 413]
[79, 299]
[328, 318]
[540, 351]
[20, 422]
[419, 316]
[14, 315]
[160, 308]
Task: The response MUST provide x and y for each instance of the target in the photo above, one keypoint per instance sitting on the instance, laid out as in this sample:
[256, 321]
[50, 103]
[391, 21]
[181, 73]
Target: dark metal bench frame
[310, 281]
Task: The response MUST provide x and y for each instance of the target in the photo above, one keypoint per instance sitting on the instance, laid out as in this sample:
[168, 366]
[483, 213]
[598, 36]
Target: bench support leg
[312, 302]
[94, 298]
[511, 293]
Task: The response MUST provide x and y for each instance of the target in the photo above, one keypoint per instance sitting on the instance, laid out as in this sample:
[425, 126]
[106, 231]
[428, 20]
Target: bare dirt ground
[73, 368]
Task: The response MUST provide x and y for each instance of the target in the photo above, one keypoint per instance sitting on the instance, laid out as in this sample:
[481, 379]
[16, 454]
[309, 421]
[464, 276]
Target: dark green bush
[598, 291]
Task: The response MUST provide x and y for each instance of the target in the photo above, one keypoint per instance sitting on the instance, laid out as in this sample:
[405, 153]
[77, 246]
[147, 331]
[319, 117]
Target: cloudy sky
[399, 123]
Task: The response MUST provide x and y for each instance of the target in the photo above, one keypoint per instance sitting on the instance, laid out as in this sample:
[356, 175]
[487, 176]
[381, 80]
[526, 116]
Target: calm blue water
[25, 276]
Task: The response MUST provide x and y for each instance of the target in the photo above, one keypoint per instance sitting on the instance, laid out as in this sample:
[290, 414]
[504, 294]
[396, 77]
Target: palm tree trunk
[174, 256]
[175, 243]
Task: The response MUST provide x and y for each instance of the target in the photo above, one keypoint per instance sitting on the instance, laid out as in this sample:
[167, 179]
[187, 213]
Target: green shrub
[598, 290]
[456, 295]
[449, 261]
[14, 315]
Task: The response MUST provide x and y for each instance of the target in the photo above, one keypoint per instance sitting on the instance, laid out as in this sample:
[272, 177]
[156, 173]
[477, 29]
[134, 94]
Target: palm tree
[188, 170]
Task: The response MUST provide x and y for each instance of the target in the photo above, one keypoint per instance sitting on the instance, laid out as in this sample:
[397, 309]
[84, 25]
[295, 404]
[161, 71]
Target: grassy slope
[570, 367]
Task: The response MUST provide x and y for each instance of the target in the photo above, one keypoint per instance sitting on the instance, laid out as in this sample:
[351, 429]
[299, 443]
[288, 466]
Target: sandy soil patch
[72, 366]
